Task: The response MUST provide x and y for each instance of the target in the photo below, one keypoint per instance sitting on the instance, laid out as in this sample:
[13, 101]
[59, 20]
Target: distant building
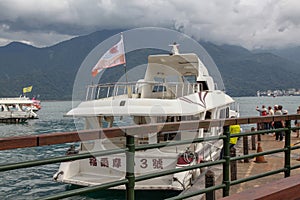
[274, 93]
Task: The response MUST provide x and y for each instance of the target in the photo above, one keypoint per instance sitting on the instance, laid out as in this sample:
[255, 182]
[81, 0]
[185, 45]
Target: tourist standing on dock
[285, 112]
[275, 108]
[233, 130]
[262, 112]
[297, 122]
[270, 113]
[279, 110]
[278, 124]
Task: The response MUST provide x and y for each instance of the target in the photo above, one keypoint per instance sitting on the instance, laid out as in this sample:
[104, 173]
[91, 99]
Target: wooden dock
[274, 184]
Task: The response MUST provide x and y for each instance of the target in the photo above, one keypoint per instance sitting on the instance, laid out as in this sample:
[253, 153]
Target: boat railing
[109, 90]
[145, 89]
[15, 98]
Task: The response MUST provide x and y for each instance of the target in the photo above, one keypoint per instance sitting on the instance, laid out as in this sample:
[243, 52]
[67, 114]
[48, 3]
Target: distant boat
[17, 110]
[34, 106]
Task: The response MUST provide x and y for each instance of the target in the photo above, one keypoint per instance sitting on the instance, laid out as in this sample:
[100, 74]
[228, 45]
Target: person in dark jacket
[279, 124]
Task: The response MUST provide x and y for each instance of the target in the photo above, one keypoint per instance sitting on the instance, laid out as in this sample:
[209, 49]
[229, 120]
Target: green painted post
[130, 167]
[226, 165]
[287, 151]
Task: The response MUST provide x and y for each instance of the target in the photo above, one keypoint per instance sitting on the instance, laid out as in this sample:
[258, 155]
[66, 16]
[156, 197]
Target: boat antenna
[175, 50]
[125, 69]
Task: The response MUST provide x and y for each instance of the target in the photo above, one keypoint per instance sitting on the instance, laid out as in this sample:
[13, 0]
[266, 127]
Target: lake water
[36, 182]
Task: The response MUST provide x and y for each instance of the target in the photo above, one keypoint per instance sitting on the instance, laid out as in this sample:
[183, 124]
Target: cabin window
[172, 79]
[161, 119]
[224, 113]
[227, 112]
[196, 117]
[159, 85]
[203, 85]
[159, 88]
[185, 118]
[189, 78]
[178, 118]
[141, 120]
[208, 115]
[175, 136]
[190, 117]
[170, 119]
[122, 103]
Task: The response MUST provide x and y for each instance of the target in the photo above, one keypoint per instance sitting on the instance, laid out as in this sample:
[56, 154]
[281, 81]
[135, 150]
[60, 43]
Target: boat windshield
[189, 78]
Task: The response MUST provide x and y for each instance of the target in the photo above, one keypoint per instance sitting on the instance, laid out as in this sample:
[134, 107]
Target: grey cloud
[251, 24]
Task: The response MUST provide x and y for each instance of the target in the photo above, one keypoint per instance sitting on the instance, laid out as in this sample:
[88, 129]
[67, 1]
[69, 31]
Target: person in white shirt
[270, 113]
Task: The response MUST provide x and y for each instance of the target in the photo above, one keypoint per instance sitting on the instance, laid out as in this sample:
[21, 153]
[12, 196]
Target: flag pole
[125, 70]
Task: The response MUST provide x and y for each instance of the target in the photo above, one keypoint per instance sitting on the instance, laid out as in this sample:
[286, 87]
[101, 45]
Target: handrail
[128, 132]
[39, 162]
[122, 88]
[76, 136]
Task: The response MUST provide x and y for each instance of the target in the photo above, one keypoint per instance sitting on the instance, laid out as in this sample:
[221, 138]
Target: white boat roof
[189, 105]
[188, 59]
[17, 100]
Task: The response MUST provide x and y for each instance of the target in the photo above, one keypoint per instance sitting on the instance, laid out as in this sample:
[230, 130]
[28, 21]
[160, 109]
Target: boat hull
[101, 170]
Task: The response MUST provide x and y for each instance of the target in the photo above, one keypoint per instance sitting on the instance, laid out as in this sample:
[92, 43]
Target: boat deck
[88, 179]
[91, 179]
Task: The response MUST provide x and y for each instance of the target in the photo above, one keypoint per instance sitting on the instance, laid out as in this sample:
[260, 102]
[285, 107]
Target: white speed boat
[176, 87]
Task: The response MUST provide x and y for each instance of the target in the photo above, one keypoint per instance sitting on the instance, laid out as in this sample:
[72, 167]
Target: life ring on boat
[186, 158]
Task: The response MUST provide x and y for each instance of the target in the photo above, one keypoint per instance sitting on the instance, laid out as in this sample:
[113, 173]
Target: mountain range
[52, 70]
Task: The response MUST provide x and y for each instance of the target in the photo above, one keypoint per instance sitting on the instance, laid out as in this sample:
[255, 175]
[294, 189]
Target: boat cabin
[168, 76]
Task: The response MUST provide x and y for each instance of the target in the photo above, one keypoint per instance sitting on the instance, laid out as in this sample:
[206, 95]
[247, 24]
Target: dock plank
[287, 188]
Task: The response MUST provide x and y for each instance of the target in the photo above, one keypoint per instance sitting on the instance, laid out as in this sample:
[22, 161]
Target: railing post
[287, 150]
[258, 135]
[130, 167]
[246, 148]
[226, 165]
[233, 164]
[253, 139]
[210, 182]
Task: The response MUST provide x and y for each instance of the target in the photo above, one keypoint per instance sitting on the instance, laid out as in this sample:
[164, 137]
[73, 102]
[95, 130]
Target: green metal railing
[130, 178]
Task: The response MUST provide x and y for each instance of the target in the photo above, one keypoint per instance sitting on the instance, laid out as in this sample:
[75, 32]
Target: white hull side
[88, 172]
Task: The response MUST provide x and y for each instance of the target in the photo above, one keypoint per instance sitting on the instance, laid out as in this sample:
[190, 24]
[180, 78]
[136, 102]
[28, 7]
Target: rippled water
[36, 182]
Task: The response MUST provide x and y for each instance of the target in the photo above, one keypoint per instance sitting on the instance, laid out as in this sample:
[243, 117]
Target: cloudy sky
[249, 23]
